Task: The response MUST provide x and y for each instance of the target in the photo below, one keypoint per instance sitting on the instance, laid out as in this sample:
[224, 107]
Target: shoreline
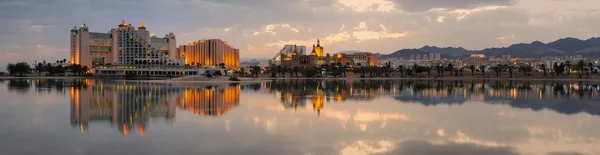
[436, 79]
[224, 79]
[44, 77]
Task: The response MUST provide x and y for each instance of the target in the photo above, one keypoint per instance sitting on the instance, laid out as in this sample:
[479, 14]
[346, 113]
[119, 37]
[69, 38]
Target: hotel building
[289, 50]
[317, 58]
[125, 45]
[211, 52]
[366, 57]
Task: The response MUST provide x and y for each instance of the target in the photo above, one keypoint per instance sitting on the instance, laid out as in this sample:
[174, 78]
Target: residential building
[352, 58]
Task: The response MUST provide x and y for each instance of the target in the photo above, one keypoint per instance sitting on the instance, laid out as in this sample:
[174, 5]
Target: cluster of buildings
[425, 57]
[296, 56]
[481, 60]
[130, 49]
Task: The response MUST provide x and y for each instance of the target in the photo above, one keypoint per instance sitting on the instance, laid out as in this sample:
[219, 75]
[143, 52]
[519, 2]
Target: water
[63, 117]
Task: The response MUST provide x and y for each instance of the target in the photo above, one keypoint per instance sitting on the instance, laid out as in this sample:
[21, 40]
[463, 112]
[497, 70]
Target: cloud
[462, 13]
[368, 5]
[505, 38]
[427, 148]
[271, 27]
[370, 35]
[325, 40]
[361, 26]
[363, 33]
[426, 5]
[441, 19]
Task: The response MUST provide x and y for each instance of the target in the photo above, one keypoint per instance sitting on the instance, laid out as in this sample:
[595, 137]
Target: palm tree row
[51, 69]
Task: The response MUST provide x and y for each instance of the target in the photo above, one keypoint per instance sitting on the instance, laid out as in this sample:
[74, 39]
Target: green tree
[19, 68]
[309, 72]
[85, 69]
[75, 69]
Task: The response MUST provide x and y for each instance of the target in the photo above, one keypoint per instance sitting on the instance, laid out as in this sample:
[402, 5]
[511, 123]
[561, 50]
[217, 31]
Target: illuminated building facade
[476, 60]
[211, 52]
[316, 58]
[289, 50]
[353, 58]
[125, 45]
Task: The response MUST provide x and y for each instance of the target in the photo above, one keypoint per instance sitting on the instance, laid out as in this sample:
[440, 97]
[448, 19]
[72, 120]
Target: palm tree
[279, 70]
[482, 68]
[256, 70]
[591, 68]
[296, 69]
[510, 71]
[581, 68]
[472, 68]
[39, 67]
[401, 69]
[543, 66]
[451, 67]
[568, 65]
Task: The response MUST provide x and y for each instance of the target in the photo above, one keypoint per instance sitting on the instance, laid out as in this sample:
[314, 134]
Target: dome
[123, 24]
[141, 26]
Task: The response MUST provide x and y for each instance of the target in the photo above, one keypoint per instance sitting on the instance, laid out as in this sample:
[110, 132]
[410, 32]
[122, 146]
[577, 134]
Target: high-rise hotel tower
[125, 45]
[211, 52]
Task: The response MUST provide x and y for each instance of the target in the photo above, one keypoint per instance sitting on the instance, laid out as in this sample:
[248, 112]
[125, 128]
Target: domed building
[315, 58]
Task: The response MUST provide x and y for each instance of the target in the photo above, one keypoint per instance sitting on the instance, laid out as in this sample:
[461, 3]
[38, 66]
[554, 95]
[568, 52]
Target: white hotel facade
[128, 49]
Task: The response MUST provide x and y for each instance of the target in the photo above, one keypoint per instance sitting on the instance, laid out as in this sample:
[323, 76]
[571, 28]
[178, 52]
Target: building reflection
[562, 97]
[130, 106]
[299, 93]
[209, 101]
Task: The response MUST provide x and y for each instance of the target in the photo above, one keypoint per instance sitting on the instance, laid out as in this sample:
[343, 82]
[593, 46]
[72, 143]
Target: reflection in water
[132, 105]
[377, 117]
[209, 101]
[557, 96]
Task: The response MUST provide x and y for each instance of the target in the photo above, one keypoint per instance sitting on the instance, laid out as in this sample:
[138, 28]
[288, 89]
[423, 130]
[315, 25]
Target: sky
[36, 30]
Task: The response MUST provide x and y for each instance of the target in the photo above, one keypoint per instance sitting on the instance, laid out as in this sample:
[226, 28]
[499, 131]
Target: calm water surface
[64, 117]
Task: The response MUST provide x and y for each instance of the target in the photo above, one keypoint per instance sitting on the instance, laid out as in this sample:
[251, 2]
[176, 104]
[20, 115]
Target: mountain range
[589, 48]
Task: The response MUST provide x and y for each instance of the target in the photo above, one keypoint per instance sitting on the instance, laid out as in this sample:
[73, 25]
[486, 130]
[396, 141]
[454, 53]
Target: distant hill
[561, 47]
